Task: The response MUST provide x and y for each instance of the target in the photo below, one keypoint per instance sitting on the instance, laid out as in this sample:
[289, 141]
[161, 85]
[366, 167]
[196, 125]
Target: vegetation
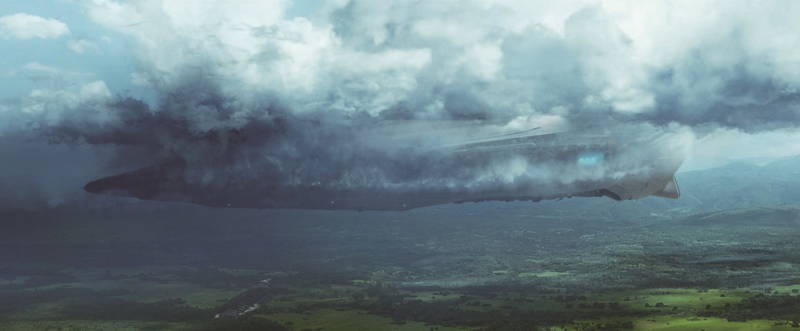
[574, 264]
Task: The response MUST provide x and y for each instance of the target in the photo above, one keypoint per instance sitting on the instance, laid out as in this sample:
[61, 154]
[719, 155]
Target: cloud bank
[248, 85]
[721, 63]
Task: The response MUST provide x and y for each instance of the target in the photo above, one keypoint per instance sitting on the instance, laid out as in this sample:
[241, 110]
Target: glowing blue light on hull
[590, 159]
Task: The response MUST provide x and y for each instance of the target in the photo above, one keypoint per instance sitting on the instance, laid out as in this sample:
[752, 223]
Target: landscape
[723, 257]
[369, 165]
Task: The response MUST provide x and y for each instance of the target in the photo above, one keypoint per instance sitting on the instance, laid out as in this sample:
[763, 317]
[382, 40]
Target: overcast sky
[728, 71]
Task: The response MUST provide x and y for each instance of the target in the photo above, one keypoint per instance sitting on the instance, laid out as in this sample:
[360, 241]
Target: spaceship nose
[108, 185]
[143, 183]
[95, 186]
[133, 184]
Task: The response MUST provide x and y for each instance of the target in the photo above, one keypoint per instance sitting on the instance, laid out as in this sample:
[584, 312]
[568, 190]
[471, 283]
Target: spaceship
[471, 165]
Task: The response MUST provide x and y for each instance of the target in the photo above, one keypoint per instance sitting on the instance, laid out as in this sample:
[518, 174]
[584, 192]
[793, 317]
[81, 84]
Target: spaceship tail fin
[670, 190]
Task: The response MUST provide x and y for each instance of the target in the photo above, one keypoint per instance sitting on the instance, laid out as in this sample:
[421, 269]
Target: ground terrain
[455, 268]
[726, 261]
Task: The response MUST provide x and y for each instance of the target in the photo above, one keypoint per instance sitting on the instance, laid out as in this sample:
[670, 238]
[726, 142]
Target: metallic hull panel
[508, 167]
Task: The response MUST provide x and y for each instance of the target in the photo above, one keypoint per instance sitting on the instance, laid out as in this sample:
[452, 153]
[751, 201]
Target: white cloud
[55, 76]
[42, 68]
[78, 106]
[81, 46]
[95, 91]
[26, 26]
[668, 61]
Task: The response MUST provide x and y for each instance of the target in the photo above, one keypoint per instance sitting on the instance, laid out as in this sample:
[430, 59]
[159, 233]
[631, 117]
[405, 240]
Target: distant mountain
[742, 185]
[781, 216]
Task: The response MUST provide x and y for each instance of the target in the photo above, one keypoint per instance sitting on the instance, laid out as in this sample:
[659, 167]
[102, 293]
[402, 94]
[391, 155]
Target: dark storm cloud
[745, 100]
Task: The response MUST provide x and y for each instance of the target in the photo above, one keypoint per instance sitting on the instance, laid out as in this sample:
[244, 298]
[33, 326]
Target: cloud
[720, 63]
[43, 110]
[26, 26]
[243, 83]
[81, 46]
[38, 67]
[39, 73]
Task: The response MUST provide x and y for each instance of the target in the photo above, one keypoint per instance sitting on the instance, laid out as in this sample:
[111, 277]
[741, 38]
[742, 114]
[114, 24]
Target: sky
[121, 84]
